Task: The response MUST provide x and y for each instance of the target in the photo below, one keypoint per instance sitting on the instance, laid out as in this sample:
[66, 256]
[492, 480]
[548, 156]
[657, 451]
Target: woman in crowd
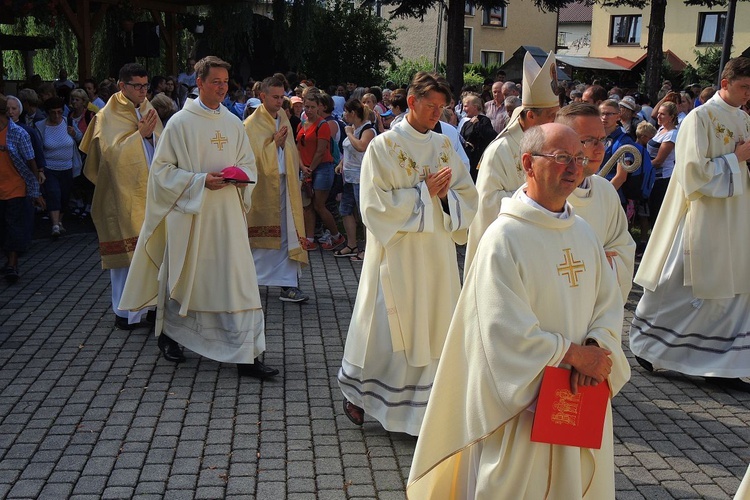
[172, 90]
[476, 131]
[313, 142]
[17, 114]
[158, 85]
[371, 102]
[643, 134]
[358, 136]
[684, 107]
[164, 106]
[296, 112]
[79, 118]
[60, 142]
[629, 117]
[661, 151]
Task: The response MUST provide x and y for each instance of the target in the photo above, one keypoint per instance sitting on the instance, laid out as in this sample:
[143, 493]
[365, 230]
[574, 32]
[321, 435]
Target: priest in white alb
[595, 200]
[500, 172]
[539, 293]
[693, 316]
[193, 258]
[276, 222]
[417, 202]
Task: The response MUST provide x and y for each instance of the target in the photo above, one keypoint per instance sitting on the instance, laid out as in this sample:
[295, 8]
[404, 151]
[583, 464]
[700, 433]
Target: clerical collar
[584, 189]
[216, 111]
[557, 215]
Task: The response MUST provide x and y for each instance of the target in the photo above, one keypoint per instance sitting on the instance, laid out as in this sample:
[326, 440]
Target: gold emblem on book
[219, 140]
[570, 268]
[566, 407]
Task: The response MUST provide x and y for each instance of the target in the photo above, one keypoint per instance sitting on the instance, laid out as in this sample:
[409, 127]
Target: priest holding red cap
[193, 258]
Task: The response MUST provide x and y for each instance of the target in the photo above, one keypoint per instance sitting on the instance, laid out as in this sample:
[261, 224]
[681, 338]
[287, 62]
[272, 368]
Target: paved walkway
[91, 412]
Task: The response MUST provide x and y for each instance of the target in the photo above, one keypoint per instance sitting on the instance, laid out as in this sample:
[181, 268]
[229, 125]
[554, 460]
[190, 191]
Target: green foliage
[708, 65]
[230, 30]
[345, 43]
[47, 62]
[403, 73]
[473, 79]
[481, 70]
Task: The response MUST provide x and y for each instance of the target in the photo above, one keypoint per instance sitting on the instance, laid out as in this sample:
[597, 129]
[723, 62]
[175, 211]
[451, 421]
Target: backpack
[337, 147]
[638, 185]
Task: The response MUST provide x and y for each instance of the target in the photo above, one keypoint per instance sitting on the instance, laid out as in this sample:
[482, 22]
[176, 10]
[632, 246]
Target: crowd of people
[202, 190]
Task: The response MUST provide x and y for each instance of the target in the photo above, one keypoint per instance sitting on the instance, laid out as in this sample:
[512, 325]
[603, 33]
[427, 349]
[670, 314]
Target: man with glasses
[193, 257]
[595, 200]
[119, 144]
[500, 171]
[539, 293]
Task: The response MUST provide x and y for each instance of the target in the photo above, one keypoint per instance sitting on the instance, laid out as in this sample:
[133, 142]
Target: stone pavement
[91, 412]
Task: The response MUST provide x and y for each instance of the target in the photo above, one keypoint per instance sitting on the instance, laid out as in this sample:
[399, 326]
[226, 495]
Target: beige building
[623, 31]
[490, 37]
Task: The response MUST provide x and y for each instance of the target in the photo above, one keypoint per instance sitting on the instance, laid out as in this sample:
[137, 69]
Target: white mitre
[539, 84]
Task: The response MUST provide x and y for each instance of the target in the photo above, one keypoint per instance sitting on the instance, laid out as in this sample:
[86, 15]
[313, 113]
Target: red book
[569, 419]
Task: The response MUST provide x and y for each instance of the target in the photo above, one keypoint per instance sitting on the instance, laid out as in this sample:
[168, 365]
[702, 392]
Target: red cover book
[569, 419]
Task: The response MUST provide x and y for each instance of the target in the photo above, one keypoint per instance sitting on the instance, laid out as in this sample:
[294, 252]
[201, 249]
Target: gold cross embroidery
[570, 267]
[219, 140]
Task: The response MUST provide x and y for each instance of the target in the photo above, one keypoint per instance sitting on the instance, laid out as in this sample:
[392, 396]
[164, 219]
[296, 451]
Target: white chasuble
[500, 175]
[193, 256]
[410, 282]
[599, 205]
[696, 277]
[537, 284]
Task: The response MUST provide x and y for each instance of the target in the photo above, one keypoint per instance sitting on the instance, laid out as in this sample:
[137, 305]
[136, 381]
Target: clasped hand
[591, 365]
[439, 183]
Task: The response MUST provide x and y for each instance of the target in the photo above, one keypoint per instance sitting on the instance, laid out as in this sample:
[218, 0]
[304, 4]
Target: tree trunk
[655, 53]
[455, 50]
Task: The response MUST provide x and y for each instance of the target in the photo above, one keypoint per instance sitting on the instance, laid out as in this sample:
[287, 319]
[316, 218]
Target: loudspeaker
[146, 40]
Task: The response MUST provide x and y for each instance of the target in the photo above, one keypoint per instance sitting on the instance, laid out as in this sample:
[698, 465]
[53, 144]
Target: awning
[581, 62]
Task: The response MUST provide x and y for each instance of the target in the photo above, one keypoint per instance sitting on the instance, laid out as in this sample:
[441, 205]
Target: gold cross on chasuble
[219, 140]
[570, 268]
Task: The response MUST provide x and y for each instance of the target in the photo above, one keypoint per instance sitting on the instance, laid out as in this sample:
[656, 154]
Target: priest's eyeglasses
[137, 86]
[565, 158]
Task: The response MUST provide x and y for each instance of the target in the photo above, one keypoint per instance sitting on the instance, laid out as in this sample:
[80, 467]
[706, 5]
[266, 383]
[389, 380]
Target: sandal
[354, 413]
[341, 252]
[358, 258]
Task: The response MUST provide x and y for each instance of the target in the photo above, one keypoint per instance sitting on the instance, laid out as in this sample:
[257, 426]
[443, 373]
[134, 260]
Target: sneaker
[55, 231]
[333, 242]
[62, 228]
[293, 294]
[309, 245]
[10, 274]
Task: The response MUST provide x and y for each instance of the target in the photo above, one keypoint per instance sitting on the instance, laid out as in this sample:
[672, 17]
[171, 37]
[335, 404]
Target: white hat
[253, 102]
[540, 87]
[629, 102]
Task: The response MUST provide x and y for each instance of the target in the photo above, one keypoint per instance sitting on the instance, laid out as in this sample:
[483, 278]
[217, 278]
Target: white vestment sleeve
[725, 182]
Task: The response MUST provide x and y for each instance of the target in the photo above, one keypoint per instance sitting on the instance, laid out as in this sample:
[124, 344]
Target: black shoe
[122, 324]
[256, 370]
[150, 318]
[736, 384]
[11, 274]
[645, 364]
[170, 349]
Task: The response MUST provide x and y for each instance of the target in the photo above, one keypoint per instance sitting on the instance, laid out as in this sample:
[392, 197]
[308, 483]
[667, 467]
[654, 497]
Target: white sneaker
[56, 231]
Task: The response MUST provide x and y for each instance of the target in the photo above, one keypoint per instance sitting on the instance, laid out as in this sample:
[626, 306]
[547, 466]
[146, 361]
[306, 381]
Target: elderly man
[595, 200]
[275, 222]
[540, 293]
[193, 256]
[476, 131]
[417, 203]
[119, 146]
[495, 109]
[500, 171]
[693, 315]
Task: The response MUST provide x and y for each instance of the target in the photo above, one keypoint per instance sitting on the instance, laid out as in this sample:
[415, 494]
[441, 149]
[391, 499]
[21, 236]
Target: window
[561, 39]
[490, 57]
[468, 9]
[711, 27]
[626, 30]
[467, 45]
[494, 17]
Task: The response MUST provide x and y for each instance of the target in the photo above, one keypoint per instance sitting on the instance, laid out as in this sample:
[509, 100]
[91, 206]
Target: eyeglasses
[593, 142]
[137, 86]
[607, 113]
[565, 158]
